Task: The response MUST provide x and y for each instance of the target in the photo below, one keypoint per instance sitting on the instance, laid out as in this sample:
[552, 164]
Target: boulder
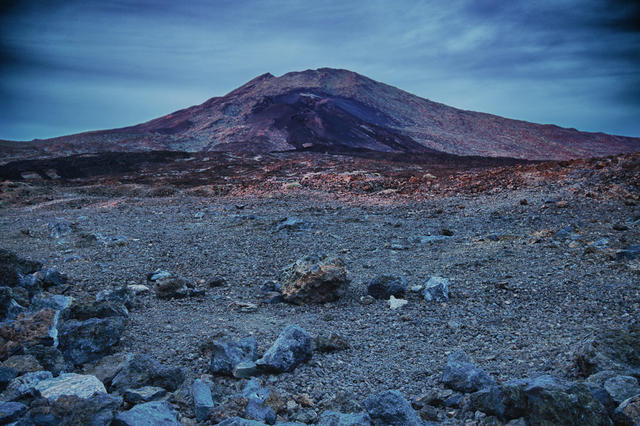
[436, 289]
[461, 375]
[22, 363]
[331, 342]
[202, 399]
[227, 354]
[84, 341]
[144, 394]
[621, 388]
[27, 330]
[70, 384]
[85, 310]
[11, 411]
[617, 350]
[314, 280]
[106, 368]
[148, 414]
[628, 413]
[49, 357]
[385, 286]
[292, 347]
[6, 376]
[142, 370]
[245, 369]
[391, 408]
[333, 418]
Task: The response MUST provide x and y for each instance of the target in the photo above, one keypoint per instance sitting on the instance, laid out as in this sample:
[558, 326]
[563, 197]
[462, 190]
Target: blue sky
[88, 65]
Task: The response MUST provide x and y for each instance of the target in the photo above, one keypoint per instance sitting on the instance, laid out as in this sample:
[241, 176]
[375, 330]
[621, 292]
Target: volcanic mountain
[336, 111]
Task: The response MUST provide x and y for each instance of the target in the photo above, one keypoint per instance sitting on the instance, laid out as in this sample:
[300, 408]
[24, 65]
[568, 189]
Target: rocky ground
[540, 261]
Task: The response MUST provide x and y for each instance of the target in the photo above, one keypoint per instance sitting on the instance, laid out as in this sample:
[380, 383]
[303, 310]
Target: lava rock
[239, 421]
[175, 288]
[292, 347]
[85, 310]
[202, 399]
[333, 418]
[49, 357]
[461, 375]
[391, 408]
[144, 394]
[12, 268]
[142, 370]
[84, 341]
[226, 354]
[158, 274]
[24, 385]
[314, 280]
[292, 224]
[245, 369]
[11, 411]
[6, 376]
[617, 350]
[436, 289]
[628, 413]
[26, 331]
[257, 408]
[123, 295]
[331, 342]
[149, 413]
[621, 388]
[22, 364]
[629, 253]
[385, 286]
[70, 384]
[59, 229]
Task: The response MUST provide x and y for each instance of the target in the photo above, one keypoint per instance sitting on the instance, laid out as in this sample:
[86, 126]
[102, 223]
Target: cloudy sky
[78, 65]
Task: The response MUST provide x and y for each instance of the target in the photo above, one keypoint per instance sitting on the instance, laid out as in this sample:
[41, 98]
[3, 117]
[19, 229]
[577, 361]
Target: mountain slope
[334, 110]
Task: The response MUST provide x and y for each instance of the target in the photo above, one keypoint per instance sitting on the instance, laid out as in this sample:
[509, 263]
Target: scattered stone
[246, 307]
[123, 295]
[628, 413]
[629, 253]
[217, 281]
[84, 341]
[12, 268]
[106, 368]
[245, 369]
[144, 394]
[202, 400]
[26, 331]
[239, 421]
[149, 413]
[314, 280]
[620, 227]
[461, 375]
[22, 364]
[174, 288]
[333, 418]
[292, 224]
[59, 229]
[291, 348]
[227, 354]
[436, 289]
[142, 370]
[446, 232]
[391, 408]
[81, 386]
[367, 300]
[331, 342]
[257, 408]
[385, 286]
[562, 204]
[524, 202]
[11, 411]
[396, 303]
[621, 388]
[138, 289]
[158, 275]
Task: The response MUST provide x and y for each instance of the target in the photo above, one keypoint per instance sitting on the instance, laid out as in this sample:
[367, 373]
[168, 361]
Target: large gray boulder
[70, 384]
[85, 341]
[142, 370]
[292, 347]
[462, 376]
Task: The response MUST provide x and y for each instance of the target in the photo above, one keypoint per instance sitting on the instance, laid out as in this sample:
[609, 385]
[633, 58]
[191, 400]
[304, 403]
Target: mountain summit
[333, 110]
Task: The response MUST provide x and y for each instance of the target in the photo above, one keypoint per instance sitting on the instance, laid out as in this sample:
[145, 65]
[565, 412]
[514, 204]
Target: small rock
[59, 229]
[524, 202]
[461, 375]
[291, 348]
[333, 418]
[436, 289]
[367, 300]
[331, 342]
[620, 227]
[172, 288]
[396, 303]
[227, 354]
[245, 369]
[24, 385]
[629, 253]
[138, 289]
[142, 370]
[217, 281]
[446, 232]
[202, 399]
[158, 275]
[149, 413]
[246, 307]
[562, 204]
[22, 364]
[257, 408]
[385, 286]
[391, 408]
[70, 384]
[314, 280]
[144, 394]
[292, 224]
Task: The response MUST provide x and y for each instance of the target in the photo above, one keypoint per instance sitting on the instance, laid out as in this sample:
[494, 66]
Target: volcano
[333, 111]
